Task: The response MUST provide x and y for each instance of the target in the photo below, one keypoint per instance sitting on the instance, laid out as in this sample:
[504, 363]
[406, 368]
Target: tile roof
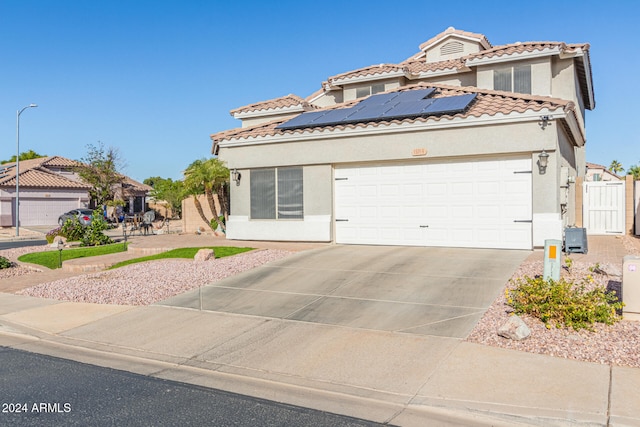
[37, 173]
[273, 104]
[41, 178]
[515, 48]
[421, 66]
[452, 31]
[372, 70]
[487, 103]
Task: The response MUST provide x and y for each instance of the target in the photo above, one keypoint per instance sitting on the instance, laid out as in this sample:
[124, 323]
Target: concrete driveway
[415, 290]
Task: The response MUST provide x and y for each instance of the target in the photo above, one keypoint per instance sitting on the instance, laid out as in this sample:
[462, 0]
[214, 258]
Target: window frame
[519, 77]
[278, 194]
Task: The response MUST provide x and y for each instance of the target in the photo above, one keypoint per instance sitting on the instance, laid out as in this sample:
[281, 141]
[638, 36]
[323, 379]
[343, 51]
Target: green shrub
[72, 230]
[94, 233]
[561, 303]
[5, 263]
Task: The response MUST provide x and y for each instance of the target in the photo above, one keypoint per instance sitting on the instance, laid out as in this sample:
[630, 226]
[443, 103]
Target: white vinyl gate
[603, 207]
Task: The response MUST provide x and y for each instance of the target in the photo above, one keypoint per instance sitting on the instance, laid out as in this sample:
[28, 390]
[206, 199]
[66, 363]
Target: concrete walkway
[385, 376]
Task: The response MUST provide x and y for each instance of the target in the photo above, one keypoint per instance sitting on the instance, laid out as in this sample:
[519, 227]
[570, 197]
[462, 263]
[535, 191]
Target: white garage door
[44, 211]
[479, 204]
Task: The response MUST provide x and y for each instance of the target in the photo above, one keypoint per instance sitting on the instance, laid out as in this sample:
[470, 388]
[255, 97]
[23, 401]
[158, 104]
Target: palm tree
[208, 177]
[615, 167]
[635, 171]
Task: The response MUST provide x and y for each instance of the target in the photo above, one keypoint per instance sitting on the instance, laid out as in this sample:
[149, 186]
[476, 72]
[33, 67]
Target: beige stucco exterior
[553, 195]
[319, 150]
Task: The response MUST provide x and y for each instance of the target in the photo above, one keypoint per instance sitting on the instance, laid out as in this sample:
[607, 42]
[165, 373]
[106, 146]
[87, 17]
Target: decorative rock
[204, 255]
[514, 329]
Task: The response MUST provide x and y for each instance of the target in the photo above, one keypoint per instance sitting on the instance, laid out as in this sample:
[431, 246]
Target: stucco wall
[320, 155]
[540, 75]
[468, 47]
[191, 221]
[317, 206]
[349, 91]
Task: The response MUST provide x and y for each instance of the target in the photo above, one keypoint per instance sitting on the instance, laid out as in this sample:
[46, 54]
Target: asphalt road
[39, 390]
[21, 243]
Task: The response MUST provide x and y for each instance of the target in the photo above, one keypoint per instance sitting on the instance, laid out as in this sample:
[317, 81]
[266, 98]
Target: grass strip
[51, 259]
[187, 253]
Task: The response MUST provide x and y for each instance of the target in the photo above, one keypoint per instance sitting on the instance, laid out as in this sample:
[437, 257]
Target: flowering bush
[52, 234]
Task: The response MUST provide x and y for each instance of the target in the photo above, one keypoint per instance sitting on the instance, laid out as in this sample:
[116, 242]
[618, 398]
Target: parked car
[84, 216]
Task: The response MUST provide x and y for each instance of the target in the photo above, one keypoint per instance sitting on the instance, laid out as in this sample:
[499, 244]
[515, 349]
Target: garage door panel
[465, 204]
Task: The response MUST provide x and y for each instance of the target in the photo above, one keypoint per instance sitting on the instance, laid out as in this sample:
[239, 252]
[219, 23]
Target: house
[597, 172]
[50, 186]
[463, 144]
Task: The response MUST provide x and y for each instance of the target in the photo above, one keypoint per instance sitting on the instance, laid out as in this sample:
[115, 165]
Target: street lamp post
[18, 112]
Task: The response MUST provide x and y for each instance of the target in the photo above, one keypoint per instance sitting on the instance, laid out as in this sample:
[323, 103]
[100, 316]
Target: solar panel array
[385, 106]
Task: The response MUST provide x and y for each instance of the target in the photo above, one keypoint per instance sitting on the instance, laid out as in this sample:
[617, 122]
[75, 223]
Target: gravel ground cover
[618, 344]
[152, 281]
[147, 283]
[13, 254]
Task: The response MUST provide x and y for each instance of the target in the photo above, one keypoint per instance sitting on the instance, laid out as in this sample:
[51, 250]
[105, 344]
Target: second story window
[369, 90]
[513, 79]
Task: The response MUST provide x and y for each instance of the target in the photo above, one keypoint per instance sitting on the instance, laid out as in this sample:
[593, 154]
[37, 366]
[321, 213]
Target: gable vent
[451, 48]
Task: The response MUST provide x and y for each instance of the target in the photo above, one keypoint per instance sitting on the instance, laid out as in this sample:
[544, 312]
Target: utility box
[575, 240]
[552, 259]
[631, 287]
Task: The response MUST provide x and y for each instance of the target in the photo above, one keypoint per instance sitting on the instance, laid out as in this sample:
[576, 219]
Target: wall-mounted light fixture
[545, 121]
[235, 176]
[543, 161]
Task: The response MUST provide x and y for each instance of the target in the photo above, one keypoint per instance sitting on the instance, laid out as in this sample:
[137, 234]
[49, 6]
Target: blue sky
[155, 78]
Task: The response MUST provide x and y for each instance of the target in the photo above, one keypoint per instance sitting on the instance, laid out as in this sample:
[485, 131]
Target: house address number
[419, 152]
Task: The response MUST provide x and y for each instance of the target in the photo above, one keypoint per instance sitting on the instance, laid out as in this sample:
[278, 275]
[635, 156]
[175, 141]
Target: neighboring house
[597, 172]
[442, 149]
[50, 186]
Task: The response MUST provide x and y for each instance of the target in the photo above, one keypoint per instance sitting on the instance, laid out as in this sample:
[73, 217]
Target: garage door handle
[424, 226]
[522, 220]
[341, 220]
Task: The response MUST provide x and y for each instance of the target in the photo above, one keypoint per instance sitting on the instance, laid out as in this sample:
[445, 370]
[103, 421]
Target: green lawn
[188, 253]
[51, 259]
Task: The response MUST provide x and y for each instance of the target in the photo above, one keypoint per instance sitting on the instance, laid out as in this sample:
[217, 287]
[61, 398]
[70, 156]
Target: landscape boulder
[204, 255]
[514, 329]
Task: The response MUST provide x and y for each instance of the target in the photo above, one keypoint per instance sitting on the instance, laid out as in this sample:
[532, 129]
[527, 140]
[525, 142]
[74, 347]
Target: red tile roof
[36, 173]
[515, 48]
[452, 31]
[373, 70]
[273, 104]
[488, 102]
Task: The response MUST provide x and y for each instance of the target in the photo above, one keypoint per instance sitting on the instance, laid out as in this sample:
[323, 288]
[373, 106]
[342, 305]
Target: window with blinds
[513, 79]
[276, 193]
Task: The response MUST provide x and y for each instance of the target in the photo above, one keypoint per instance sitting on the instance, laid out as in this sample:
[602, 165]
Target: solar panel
[411, 103]
[331, 117]
[302, 120]
[370, 112]
[378, 99]
[415, 95]
[450, 104]
[408, 109]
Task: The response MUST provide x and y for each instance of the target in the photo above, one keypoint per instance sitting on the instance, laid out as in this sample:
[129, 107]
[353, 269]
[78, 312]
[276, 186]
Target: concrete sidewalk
[392, 377]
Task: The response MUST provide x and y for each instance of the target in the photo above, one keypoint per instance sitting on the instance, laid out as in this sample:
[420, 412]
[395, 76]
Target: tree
[209, 177]
[615, 167]
[168, 190]
[25, 155]
[635, 171]
[100, 170]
